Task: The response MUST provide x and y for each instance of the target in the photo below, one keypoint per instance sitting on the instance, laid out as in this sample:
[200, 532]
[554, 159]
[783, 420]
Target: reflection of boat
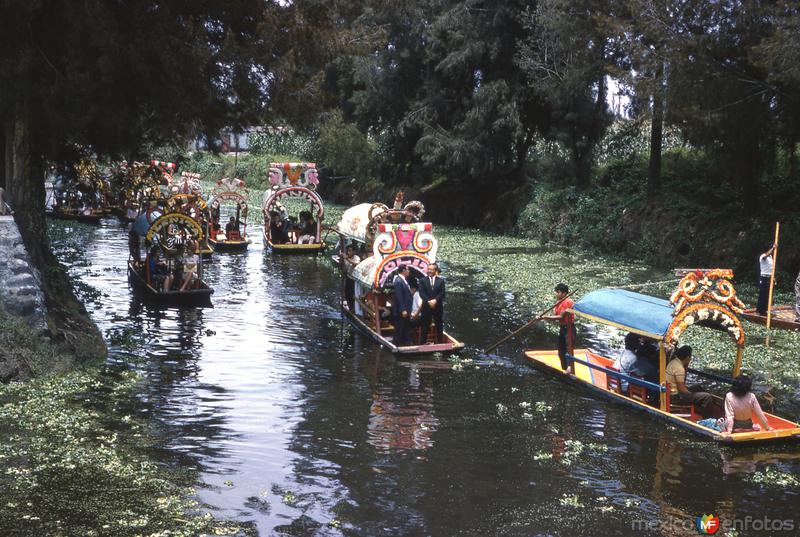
[395, 237]
[233, 238]
[782, 317]
[292, 181]
[705, 298]
[402, 421]
[163, 239]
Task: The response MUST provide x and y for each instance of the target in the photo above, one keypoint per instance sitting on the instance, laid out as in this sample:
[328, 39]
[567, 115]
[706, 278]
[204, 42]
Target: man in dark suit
[401, 307]
[431, 290]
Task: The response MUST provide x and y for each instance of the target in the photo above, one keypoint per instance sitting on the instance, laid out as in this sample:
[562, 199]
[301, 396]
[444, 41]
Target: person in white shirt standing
[767, 265]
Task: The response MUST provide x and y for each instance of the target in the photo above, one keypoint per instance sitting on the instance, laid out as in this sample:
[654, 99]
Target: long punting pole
[662, 375]
[528, 324]
[772, 278]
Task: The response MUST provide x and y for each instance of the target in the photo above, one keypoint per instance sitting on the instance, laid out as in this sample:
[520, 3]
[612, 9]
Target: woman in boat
[350, 262]
[740, 407]
[308, 230]
[679, 392]
[190, 261]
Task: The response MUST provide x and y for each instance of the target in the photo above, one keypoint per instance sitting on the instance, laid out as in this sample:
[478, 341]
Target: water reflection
[401, 418]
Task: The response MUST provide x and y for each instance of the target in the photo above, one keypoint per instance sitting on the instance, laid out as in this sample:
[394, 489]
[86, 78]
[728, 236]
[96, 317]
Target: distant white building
[230, 141]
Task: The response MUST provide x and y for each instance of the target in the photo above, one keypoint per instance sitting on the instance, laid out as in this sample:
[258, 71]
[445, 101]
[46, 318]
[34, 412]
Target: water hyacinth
[67, 472]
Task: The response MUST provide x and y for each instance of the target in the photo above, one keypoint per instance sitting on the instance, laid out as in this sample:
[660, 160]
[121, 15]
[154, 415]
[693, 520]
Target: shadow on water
[301, 425]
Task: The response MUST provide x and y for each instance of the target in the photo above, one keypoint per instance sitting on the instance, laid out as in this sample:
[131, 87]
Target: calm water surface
[300, 425]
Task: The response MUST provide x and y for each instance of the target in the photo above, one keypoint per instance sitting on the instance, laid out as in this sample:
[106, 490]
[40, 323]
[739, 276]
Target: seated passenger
[232, 229]
[627, 358]
[646, 364]
[740, 406]
[190, 262]
[676, 377]
[277, 228]
[308, 230]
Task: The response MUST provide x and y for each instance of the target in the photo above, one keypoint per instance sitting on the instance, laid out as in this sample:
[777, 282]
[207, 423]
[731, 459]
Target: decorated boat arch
[229, 207]
[194, 206]
[704, 298]
[293, 183]
[169, 273]
[388, 239]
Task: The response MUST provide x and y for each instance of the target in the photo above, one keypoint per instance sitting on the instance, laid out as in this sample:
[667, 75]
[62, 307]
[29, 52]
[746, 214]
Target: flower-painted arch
[706, 312]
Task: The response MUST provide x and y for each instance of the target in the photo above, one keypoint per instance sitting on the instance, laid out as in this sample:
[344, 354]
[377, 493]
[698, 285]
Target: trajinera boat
[293, 183]
[704, 298]
[386, 239]
[229, 234]
[79, 192]
[171, 273]
[139, 183]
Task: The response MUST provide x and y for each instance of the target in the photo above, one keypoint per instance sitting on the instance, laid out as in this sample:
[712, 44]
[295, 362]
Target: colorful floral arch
[706, 297]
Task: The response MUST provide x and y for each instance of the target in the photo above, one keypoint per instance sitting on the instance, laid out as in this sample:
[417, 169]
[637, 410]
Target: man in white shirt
[766, 265]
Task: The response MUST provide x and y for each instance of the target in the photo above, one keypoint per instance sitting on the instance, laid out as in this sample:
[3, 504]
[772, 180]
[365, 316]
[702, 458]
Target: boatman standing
[566, 322]
[766, 265]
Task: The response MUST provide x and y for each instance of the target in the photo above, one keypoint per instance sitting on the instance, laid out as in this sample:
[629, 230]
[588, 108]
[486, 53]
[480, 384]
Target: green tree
[113, 76]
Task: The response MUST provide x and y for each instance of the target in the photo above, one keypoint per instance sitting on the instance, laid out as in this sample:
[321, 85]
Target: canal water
[300, 425]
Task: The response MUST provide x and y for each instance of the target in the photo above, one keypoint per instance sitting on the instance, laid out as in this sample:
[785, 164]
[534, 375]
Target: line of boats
[174, 228]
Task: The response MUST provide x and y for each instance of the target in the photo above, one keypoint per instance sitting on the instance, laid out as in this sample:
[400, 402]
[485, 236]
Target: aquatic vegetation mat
[74, 462]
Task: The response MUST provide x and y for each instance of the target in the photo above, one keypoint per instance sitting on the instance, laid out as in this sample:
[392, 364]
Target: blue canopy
[634, 312]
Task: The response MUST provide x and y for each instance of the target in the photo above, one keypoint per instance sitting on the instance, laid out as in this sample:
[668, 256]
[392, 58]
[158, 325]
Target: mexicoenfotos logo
[708, 524]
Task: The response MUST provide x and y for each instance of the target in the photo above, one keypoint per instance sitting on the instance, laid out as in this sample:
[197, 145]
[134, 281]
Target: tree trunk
[67, 319]
[791, 155]
[656, 136]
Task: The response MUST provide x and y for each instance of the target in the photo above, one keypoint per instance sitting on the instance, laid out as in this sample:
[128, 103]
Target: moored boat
[293, 182]
[783, 317]
[703, 298]
[170, 273]
[231, 193]
[390, 239]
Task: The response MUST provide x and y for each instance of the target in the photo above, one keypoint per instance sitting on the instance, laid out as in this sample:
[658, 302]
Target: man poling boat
[294, 185]
[703, 298]
[383, 254]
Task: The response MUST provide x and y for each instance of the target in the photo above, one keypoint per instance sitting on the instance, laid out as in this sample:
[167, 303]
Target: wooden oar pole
[528, 324]
[772, 278]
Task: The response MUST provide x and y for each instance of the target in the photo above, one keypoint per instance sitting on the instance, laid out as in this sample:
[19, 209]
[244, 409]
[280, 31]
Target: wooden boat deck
[782, 317]
[293, 249]
[451, 346]
[227, 246]
[596, 380]
[85, 218]
[190, 297]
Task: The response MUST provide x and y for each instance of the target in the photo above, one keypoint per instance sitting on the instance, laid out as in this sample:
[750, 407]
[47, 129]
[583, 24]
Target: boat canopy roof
[354, 222]
[642, 314]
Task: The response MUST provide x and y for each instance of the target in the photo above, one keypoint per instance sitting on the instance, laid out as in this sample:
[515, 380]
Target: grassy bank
[690, 223]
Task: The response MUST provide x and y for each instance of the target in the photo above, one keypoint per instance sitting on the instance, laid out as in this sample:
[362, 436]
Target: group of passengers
[417, 302]
[640, 359]
[287, 230]
[173, 273]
